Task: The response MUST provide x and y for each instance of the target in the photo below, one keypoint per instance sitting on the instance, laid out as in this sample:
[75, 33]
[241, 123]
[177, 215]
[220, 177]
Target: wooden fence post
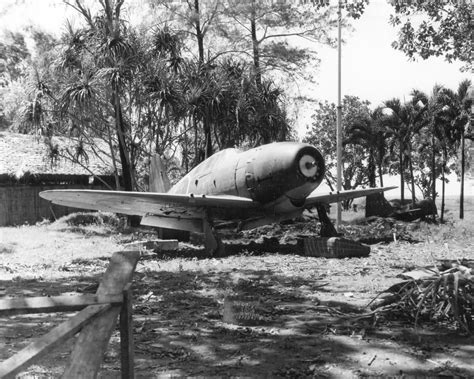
[94, 337]
[126, 335]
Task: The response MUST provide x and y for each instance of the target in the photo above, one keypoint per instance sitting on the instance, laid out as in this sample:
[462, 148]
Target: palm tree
[434, 105]
[449, 118]
[405, 120]
[370, 133]
[466, 106]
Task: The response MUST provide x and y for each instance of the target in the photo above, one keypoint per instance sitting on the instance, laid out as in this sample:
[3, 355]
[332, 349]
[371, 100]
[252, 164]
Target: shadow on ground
[179, 328]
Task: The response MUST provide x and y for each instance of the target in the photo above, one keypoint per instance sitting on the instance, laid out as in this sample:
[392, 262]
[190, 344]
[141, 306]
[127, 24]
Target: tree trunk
[433, 167]
[112, 154]
[463, 163]
[443, 184]
[402, 179]
[412, 179]
[199, 34]
[158, 149]
[371, 168]
[208, 138]
[186, 148]
[196, 142]
[380, 170]
[123, 151]
[256, 50]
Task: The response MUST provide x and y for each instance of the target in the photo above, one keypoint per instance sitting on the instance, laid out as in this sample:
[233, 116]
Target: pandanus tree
[229, 109]
[100, 57]
[157, 78]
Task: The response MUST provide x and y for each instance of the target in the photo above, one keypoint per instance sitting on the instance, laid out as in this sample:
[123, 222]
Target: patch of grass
[90, 223]
[95, 218]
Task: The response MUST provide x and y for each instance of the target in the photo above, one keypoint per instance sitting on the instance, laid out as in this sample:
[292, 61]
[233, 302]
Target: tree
[222, 105]
[369, 132]
[404, 122]
[106, 53]
[13, 56]
[139, 90]
[322, 135]
[449, 119]
[194, 19]
[262, 31]
[444, 29]
[236, 111]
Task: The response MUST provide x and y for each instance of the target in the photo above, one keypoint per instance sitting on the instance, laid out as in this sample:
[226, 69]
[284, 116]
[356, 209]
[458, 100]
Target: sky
[373, 70]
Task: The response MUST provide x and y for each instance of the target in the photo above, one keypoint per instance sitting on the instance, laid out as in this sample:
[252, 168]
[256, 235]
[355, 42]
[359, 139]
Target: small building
[29, 165]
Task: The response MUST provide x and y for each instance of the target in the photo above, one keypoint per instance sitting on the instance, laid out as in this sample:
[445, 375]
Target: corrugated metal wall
[22, 204]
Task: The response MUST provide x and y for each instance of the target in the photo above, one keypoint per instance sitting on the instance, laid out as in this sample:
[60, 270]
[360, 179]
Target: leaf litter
[318, 324]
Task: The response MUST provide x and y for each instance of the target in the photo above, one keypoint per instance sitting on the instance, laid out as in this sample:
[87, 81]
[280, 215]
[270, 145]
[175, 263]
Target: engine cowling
[286, 169]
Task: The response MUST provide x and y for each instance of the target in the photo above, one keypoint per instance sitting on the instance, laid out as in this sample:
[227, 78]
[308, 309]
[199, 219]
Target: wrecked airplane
[377, 205]
[267, 184]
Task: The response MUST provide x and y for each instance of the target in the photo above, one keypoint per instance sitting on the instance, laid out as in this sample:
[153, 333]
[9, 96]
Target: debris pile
[443, 294]
[378, 229]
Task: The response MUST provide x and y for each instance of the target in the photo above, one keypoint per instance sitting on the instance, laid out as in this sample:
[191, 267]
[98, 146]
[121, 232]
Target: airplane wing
[343, 195]
[140, 203]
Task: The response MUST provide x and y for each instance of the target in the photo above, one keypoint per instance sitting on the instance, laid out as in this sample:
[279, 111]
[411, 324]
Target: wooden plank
[333, 247]
[126, 335]
[94, 338]
[46, 304]
[157, 244]
[13, 365]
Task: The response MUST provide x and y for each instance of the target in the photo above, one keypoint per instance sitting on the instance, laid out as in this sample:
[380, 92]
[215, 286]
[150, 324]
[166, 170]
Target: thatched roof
[22, 154]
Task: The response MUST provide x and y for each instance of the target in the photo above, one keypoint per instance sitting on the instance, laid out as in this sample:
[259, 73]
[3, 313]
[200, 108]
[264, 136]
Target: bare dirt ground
[314, 322]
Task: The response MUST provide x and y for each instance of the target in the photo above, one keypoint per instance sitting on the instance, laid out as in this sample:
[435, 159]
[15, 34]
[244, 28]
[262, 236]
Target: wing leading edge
[343, 195]
[141, 203]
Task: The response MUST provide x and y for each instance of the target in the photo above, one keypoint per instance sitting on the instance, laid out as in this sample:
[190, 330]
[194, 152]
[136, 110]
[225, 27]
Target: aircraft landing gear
[327, 227]
[212, 241]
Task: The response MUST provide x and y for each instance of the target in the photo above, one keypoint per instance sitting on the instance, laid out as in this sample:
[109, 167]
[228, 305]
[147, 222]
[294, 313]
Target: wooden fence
[96, 322]
[22, 204]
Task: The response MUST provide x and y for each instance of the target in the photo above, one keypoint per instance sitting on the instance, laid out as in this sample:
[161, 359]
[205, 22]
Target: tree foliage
[355, 154]
[404, 121]
[416, 139]
[434, 28]
[263, 31]
[140, 92]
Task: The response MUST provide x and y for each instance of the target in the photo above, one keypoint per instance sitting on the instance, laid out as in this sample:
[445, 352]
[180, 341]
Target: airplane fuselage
[279, 176]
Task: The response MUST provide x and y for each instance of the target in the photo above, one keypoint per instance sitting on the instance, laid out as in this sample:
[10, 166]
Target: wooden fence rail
[96, 322]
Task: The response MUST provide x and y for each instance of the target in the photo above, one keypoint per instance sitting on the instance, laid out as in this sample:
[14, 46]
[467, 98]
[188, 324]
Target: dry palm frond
[443, 294]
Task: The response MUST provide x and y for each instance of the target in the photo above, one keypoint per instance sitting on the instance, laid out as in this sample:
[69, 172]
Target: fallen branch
[443, 294]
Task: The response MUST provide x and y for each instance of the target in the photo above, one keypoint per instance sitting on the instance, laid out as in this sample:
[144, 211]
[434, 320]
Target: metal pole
[339, 116]
[461, 200]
